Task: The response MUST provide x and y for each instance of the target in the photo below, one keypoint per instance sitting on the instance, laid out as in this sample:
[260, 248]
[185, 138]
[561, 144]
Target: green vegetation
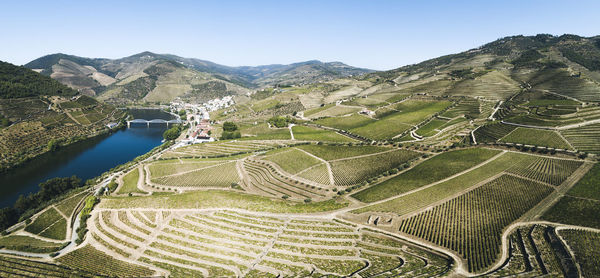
[333, 152]
[587, 187]
[495, 204]
[230, 131]
[18, 82]
[431, 128]
[436, 168]
[536, 137]
[586, 248]
[20, 267]
[315, 134]
[548, 170]
[357, 170]
[219, 175]
[172, 133]
[585, 138]
[130, 182]
[90, 259]
[219, 199]
[410, 113]
[29, 244]
[423, 198]
[574, 211]
[46, 221]
[280, 122]
[292, 160]
[68, 205]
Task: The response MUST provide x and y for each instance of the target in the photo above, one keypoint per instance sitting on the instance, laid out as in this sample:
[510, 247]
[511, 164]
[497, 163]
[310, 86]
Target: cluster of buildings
[197, 115]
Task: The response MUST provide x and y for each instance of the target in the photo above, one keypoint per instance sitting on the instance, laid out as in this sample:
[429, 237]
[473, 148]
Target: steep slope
[568, 65]
[39, 114]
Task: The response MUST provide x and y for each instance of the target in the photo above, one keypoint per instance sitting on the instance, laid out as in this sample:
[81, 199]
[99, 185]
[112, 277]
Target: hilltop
[159, 78]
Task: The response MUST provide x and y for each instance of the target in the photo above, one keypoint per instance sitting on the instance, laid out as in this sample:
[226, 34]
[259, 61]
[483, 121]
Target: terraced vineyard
[492, 132]
[534, 252]
[222, 149]
[195, 174]
[548, 170]
[586, 248]
[227, 243]
[471, 225]
[265, 179]
[585, 138]
[528, 136]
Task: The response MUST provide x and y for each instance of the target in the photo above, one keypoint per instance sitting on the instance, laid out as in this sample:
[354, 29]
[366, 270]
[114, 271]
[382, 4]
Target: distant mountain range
[151, 77]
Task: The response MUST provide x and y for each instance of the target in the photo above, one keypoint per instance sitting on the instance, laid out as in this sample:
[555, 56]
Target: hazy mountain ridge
[134, 78]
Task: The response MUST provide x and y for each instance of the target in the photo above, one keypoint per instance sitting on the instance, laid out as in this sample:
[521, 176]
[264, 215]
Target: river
[86, 159]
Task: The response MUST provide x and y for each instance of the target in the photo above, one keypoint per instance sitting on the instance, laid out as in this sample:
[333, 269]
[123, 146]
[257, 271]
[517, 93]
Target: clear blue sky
[374, 34]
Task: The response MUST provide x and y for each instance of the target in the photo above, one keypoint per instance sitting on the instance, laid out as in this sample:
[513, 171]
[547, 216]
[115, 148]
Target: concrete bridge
[155, 121]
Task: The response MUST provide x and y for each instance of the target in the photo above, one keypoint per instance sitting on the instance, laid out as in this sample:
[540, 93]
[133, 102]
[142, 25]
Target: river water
[86, 159]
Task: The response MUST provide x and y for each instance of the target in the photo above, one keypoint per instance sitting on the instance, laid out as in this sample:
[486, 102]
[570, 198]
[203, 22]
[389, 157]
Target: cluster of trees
[281, 121]
[17, 82]
[49, 190]
[172, 133]
[230, 131]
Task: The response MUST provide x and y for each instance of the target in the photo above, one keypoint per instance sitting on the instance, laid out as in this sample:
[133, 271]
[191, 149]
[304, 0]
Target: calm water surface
[86, 159]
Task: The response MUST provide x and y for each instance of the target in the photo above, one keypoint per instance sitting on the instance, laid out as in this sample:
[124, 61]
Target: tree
[229, 126]
[171, 133]
[53, 145]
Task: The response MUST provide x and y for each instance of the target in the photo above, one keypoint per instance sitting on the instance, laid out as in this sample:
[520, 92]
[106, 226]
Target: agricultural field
[585, 138]
[586, 248]
[492, 132]
[472, 224]
[227, 243]
[421, 199]
[50, 224]
[194, 174]
[528, 136]
[130, 182]
[314, 134]
[432, 170]
[222, 148]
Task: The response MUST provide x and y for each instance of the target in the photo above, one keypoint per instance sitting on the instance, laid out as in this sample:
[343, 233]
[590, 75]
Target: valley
[477, 164]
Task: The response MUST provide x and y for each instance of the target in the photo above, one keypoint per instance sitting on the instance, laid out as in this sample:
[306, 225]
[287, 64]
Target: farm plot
[68, 205]
[536, 137]
[586, 248]
[130, 182]
[548, 170]
[423, 198]
[410, 114]
[472, 223]
[345, 122]
[434, 169]
[337, 110]
[315, 134]
[587, 187]
[226, 243]
[575, 211]
[531, 254]
[28, 244]
[264, 132]
[431, 128]
[585, 138]
[468, 107]
[49, 224]
[264, 178]
[222, 174]
[20, 267]
[492, 132]
[318, 173]
[221, 149]
[352, 171]
[90, 259]
[162, 169]
[333, 152]
[292, 160]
